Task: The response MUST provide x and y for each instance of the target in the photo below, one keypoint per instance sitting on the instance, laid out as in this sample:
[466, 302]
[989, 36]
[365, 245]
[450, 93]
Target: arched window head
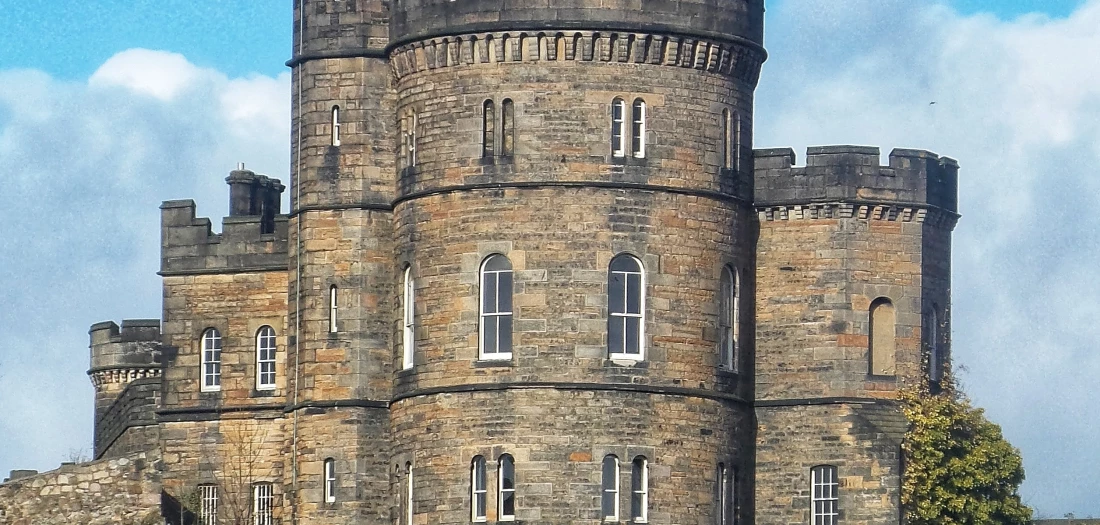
[638, 128]
[609, 500]
[507, 128]
[409, 320]
[496, 308]
[729, 319]
[330, 480]
[265, 358]
[625, 308]
[478, 492]
[825, 495]
[506, 497]
[618, 128]
[639, 490]
[211, 360]
[333, 306]
[335, 125]
[882, 338]
[488, 129]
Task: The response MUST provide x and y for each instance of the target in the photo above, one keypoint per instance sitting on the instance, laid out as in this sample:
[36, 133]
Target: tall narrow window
[737, 154]
[935, 360]
[330, 480]
[488, 125]
[826, 495]
[409, 320]
[211, 360]
[881, 338]
[724, 138]
[335, 125]
[637, 130]
[609, 502]
[413, 131]
[507, 128]
[626, 304]
[727, 319]
[265, 358]
[208, 504]
[506, 498]
[409, 126]
[409, 493]
[333, 306]
[618, 123]
[721, 488]
[478, 492]
[496, 308]
[263, 498]
[639, 490]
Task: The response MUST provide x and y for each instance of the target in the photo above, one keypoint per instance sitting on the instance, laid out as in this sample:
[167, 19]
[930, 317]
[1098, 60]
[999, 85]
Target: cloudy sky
[109, 107]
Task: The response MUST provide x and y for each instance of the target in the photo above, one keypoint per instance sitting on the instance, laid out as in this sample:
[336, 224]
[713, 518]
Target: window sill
[626, 361]
[504, 362]
[882, 379]
[729, 372]
[264, 392]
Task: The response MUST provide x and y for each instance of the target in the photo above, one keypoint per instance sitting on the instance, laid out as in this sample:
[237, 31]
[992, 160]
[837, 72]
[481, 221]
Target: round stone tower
[572, 184]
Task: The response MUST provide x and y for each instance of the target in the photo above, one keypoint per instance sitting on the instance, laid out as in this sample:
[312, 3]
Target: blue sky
[108, 108]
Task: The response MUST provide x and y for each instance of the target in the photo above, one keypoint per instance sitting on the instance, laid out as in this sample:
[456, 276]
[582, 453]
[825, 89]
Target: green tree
[959, 469]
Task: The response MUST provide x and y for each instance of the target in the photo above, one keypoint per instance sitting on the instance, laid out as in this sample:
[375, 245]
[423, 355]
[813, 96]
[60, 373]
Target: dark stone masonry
[533, 271]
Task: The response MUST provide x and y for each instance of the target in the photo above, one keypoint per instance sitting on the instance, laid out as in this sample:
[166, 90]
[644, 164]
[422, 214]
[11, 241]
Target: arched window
[263, 499]
[507, 128]
[625, 308]
[618, 125]
[330, 480]
[335, 125]
[639, 490]
[825, 495]
[408, 493]
[935, 358]
[506, 497]
[208, 504]
[478, 492]
[265, 358]
[609, 506]
[409, 321]
[333, 306]
[637, 130]
[211, 360]
[488, 131]
[724, 138]
[496, 308]
[728, 320]
[881, 338]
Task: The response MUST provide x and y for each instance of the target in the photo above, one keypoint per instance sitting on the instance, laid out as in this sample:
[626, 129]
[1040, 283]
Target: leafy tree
[959, 469]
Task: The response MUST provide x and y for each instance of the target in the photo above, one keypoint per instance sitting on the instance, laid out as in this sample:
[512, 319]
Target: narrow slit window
[609, 501]
[409, 494]
[506, 499]
[333, 309]
[330, 480]
[409, 321]
[265, 358]
[639, 490]
[721, 496]
[724, 138]
[638, 129]
[496, 308]
[211, 360]
[507, 128]
[478, 491]
[263, 499]
[826, 495]
[618, 123]
[626, 307]
[737, 144]
[882, 338]
[335, 125]
[935, 359]
[488, 131]
[727, 319]
[208, 504]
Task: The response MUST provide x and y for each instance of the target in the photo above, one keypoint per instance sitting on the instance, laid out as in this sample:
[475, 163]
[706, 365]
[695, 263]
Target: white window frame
[487, 354]
[333, 309]
[330, 480]
[609, 490]
[409, 494]
[638, 116]
[408, 321]
[211, 360]
[263, 500]
[208, 505]
[614, 318]
[639, 490]
[335, 125]
[721, 486]
[479, 491]
[266, 348]
[502, 492]
[825, 495]
[618, 128]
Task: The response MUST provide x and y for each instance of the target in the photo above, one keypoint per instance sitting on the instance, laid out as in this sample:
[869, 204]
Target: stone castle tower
[533, 271]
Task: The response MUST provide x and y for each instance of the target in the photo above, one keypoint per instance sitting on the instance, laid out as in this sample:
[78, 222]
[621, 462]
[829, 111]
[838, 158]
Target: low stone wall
[122, 491]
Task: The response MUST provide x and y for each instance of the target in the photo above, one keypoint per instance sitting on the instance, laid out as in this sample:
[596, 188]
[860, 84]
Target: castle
[533, 271]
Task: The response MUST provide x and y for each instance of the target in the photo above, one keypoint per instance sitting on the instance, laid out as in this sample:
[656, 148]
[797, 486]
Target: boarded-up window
[882, 351]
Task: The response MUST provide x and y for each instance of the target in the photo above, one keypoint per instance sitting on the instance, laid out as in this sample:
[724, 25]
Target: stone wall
[129, 424]
[121, 491]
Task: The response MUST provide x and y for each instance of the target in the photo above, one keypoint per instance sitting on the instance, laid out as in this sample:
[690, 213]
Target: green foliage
[959, 469]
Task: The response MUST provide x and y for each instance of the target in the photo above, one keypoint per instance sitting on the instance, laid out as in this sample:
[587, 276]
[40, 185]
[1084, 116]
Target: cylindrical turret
[119, 358]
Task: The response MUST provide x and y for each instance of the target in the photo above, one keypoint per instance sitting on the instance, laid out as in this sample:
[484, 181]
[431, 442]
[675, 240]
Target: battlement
[136, 345]
[853, 174]
[253, 238]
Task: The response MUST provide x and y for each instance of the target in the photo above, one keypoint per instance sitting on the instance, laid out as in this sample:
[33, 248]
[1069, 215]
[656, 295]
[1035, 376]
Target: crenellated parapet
[848, 181]
[121, 355]
[127, 364]
[253, 238]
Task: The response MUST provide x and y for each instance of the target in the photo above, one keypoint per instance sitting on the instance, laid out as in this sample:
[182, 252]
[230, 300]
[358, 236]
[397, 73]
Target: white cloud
[86, 165]
[1018, 103]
